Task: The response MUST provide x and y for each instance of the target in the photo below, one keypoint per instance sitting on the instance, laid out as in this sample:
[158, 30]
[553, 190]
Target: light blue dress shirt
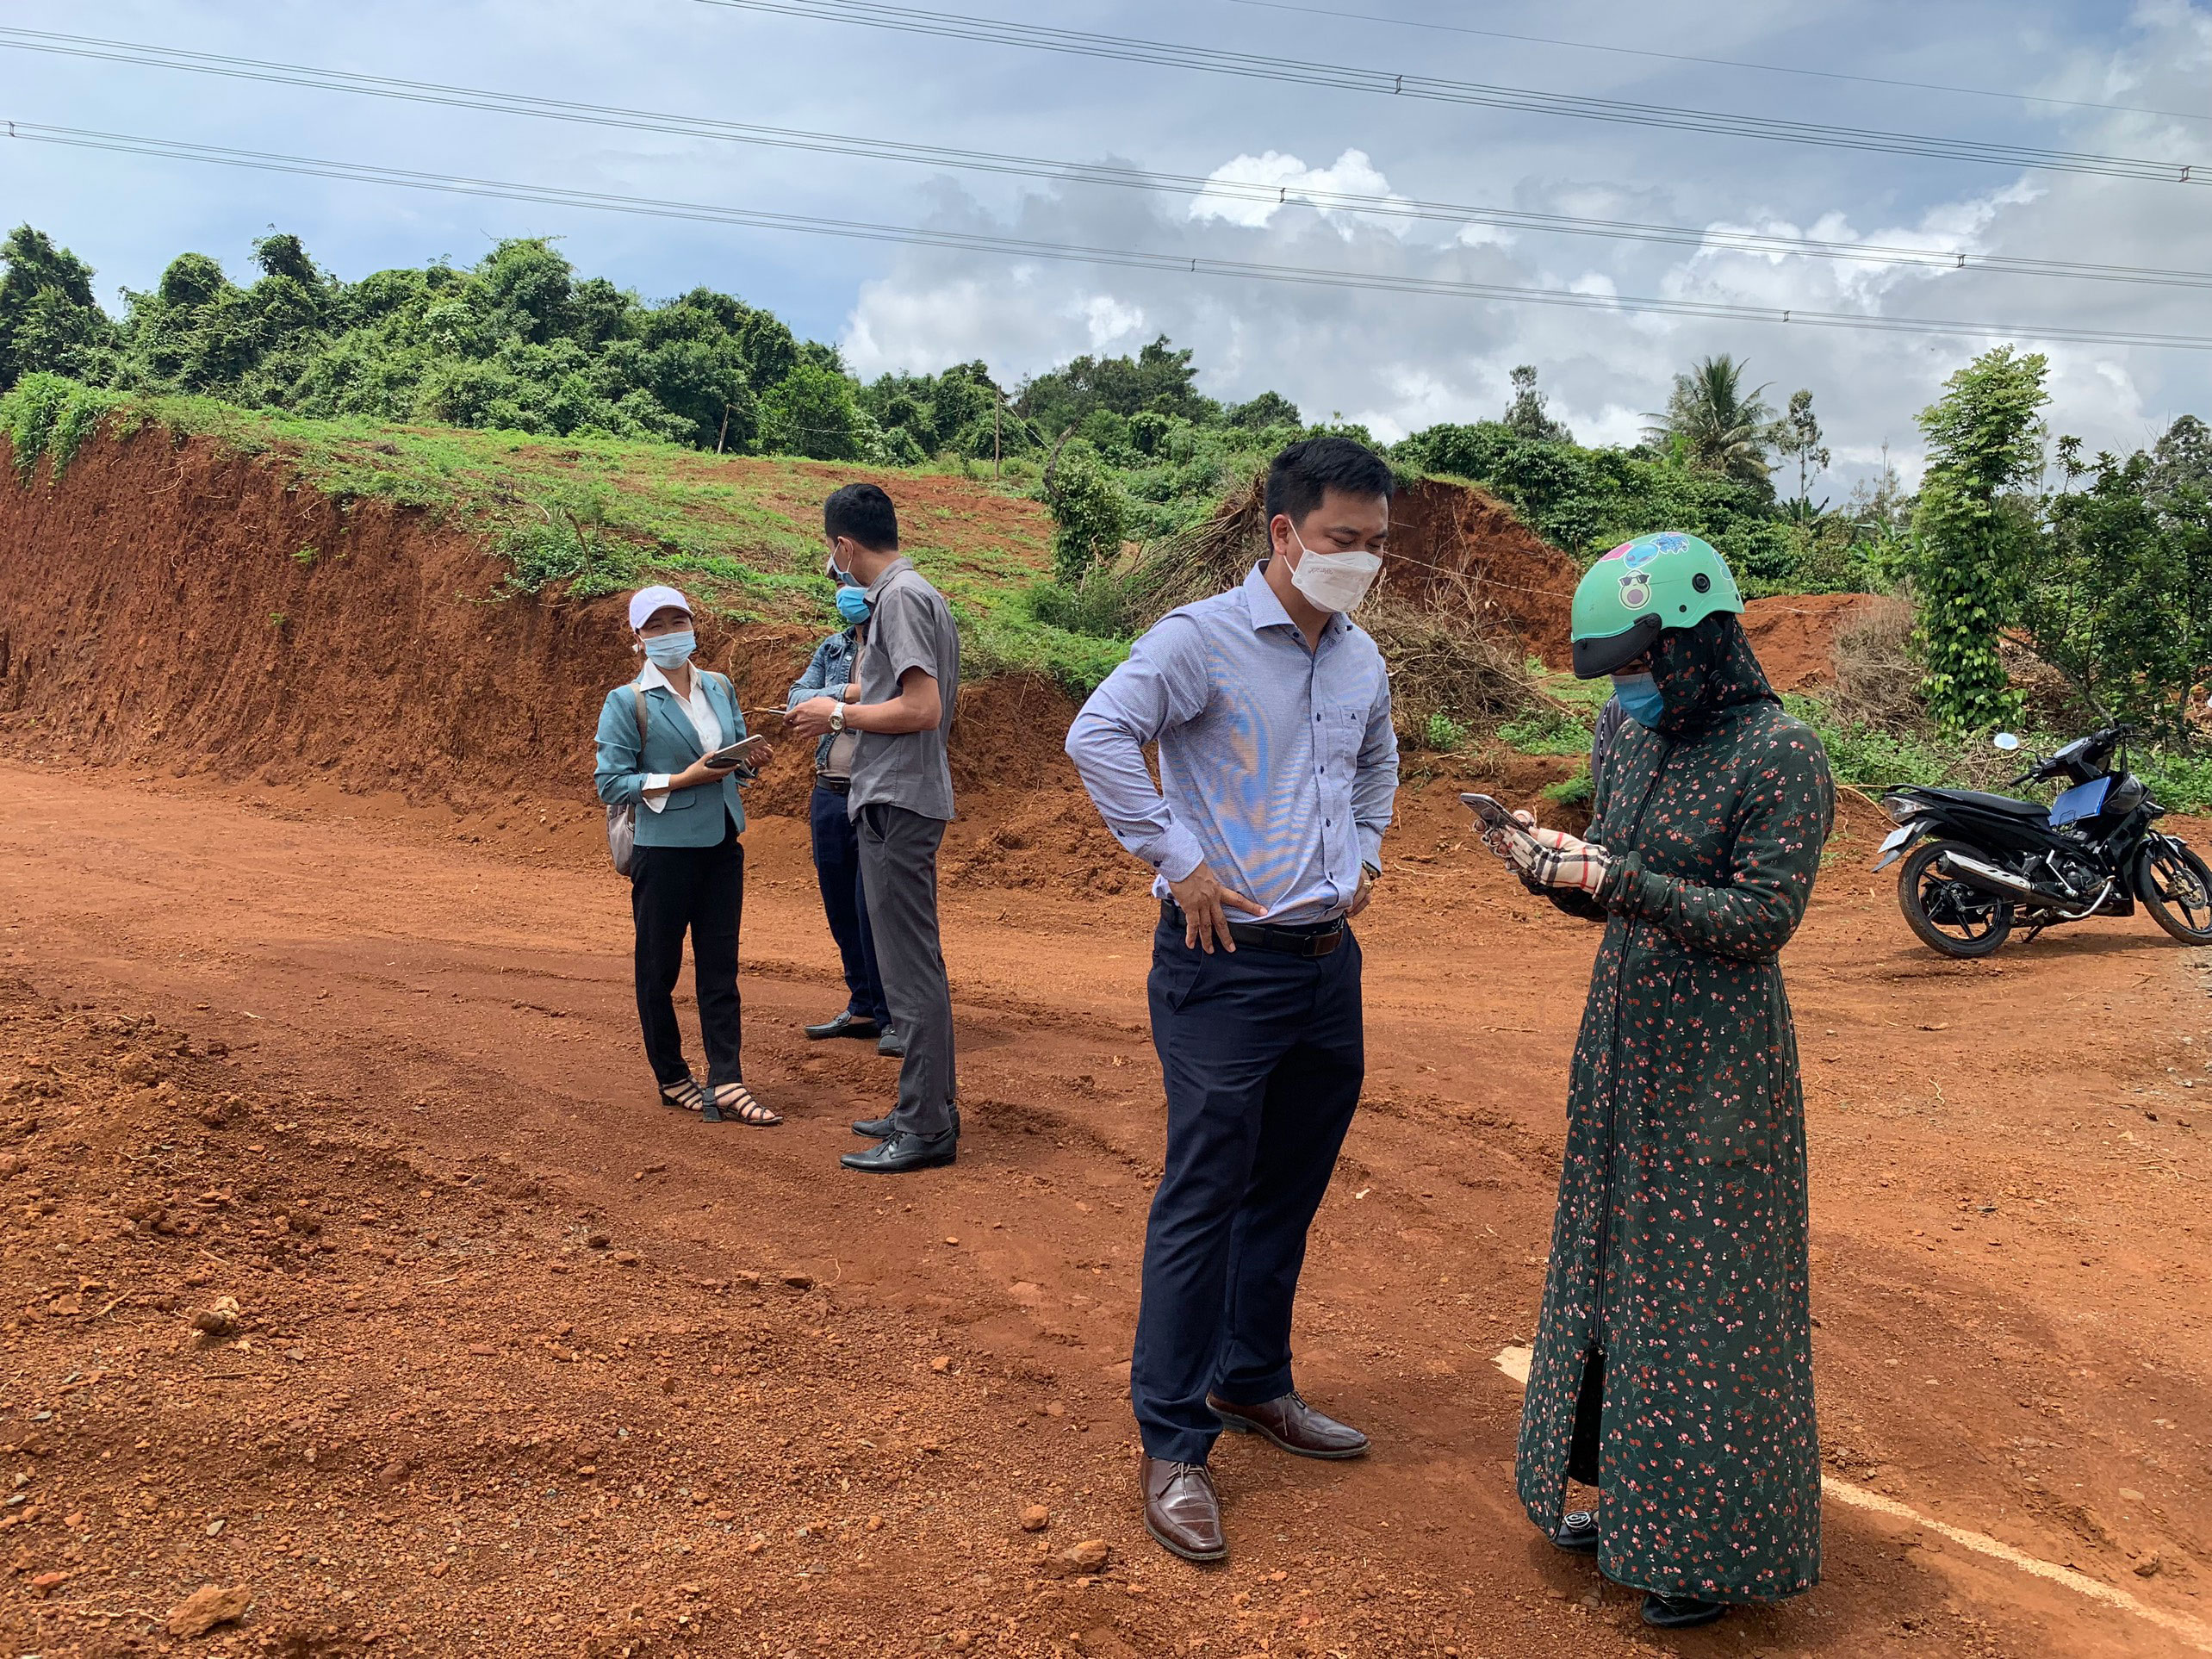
[1278, 764]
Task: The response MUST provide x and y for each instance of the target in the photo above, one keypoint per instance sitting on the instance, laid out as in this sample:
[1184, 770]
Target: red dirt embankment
[1442, 535]
[1795, 635]
[174, 605]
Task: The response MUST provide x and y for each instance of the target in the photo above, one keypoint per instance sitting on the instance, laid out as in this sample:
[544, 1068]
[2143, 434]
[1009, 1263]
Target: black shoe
[847, 1025]
[1680, 1612]
[882, 1128]
[891, 1043]
[1578, 1532]
[898, 1153]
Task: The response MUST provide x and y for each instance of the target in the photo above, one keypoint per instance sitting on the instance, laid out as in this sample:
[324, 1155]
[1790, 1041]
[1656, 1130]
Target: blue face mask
[1639, 698]
[853, 604]
[671, 650]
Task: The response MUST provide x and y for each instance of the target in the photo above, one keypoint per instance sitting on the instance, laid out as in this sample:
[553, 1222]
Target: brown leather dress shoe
[1292, 1424]
[1182, 1510]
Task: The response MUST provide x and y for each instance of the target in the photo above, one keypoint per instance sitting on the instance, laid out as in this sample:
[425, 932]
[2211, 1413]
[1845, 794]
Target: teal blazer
[693, 817]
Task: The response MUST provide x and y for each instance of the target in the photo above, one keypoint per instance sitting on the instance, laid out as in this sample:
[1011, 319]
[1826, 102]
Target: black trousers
[837, 873]
[1263, 1054]
[700, 890]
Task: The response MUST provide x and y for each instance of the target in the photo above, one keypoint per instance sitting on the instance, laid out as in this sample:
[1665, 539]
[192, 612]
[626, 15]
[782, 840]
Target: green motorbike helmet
[1668, 579]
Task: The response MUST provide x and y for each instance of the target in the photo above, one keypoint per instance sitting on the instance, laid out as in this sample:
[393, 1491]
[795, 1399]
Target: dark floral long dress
[1673, 1364]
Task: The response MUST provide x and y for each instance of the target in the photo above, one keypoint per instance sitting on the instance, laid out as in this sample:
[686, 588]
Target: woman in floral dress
[1672, 1362]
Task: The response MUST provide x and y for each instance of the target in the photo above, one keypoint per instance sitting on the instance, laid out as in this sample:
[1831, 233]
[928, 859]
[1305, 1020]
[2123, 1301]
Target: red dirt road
[519, 1370]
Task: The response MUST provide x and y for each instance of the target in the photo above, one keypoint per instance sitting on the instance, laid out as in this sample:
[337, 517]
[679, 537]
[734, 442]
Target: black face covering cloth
[1703, 670]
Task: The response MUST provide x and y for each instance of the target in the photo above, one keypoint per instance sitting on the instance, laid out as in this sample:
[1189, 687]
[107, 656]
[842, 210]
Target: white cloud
[1251, 190]
[1110, 322]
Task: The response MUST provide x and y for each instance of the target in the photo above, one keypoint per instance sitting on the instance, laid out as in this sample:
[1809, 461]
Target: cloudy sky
[2098, 77]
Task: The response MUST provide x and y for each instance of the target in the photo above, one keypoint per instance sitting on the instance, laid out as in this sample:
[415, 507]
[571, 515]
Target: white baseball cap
[646, 600]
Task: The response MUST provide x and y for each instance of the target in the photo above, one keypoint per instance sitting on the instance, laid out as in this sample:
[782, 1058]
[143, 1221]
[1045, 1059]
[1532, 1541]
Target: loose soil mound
[1795, 635]
[1444, 535]
[1452, 547]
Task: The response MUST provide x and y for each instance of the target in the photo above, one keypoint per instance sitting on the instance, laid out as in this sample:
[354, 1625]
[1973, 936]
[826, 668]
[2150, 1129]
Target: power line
[871, 14]
[1248, 191]
[1722, 62]
[1129, 258]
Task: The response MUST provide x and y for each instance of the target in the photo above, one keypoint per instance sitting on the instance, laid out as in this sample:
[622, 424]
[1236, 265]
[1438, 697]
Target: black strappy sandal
[686, 1097]
[722, 1107]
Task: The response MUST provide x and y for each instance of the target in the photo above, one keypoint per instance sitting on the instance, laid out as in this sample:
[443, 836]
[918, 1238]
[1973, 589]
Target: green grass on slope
[591, 515]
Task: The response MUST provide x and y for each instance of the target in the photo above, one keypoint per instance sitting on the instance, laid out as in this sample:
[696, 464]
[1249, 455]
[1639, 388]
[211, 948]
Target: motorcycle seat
[2028, 811]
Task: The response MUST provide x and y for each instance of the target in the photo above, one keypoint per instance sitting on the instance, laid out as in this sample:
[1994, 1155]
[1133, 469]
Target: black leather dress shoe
[878, 1128]
[1288, 1421]
[891, 1043]
[847, 1025]
[1680, 1612]
[1182, 1510]
[1578, 1532]
[896, 1154]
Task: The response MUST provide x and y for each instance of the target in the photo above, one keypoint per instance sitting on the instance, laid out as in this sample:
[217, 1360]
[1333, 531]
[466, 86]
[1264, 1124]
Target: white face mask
[1333, 580]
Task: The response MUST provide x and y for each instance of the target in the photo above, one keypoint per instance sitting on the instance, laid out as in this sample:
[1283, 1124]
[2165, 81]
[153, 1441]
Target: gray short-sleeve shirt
[909, 626]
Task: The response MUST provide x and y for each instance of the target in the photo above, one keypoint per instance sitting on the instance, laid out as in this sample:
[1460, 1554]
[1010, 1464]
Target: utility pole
[997, 402]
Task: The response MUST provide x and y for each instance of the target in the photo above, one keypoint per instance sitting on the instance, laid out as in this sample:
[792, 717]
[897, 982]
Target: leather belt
[835, 785]
[1308, 939]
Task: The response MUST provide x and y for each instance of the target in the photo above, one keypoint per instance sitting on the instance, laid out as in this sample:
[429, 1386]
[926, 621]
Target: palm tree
[1713, 424]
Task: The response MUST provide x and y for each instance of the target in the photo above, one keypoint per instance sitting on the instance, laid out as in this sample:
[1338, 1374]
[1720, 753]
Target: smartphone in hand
[1495, 816]
[736, 754]
[1491, 810]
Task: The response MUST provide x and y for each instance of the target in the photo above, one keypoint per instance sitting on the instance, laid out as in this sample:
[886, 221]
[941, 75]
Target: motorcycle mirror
[2005, 740]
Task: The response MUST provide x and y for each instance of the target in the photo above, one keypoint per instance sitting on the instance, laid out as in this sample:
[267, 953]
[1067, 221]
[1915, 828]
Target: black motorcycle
[1976, 863]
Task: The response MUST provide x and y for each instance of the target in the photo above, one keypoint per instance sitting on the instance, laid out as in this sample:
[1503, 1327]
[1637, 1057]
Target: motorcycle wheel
[1950, 916]
[2176, 888]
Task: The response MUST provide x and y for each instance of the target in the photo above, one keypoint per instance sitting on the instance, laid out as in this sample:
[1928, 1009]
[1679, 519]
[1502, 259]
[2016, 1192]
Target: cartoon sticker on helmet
[1618, 552]
[1634, 591]
[1638, 554]
[1670, 541]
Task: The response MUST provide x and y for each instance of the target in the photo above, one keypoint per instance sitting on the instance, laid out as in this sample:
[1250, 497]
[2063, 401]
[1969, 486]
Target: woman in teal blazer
[688, 869]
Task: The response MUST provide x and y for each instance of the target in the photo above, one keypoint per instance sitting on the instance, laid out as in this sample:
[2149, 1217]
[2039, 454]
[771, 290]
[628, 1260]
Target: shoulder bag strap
[637, 691]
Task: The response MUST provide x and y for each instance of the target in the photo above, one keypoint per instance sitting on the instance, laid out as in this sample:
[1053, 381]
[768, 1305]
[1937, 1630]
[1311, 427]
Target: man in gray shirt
[900, 802]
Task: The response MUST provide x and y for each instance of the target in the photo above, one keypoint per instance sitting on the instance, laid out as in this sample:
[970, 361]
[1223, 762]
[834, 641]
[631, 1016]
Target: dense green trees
[49, 320]
[516, 340]
[1712, 424]
[2116, 593]
[1587, 500]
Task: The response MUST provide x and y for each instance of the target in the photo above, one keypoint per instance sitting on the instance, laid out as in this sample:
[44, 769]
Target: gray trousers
[898, 873]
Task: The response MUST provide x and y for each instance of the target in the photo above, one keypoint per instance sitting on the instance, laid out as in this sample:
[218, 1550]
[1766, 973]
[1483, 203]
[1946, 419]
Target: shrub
[1878, 670]
[47, 415]
[1443, 734]
[1548, 728]
[1577, 791]
[1983, 440]
[1089, 517]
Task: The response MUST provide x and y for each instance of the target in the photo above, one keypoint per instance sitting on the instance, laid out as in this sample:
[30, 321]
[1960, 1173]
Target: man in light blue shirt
[1271, 709]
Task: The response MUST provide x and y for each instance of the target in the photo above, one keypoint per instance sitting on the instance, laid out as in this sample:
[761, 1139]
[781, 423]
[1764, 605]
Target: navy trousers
[837, 870]
[1262, 1055]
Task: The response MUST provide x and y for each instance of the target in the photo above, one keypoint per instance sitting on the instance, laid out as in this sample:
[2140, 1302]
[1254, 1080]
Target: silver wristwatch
[837, 718]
